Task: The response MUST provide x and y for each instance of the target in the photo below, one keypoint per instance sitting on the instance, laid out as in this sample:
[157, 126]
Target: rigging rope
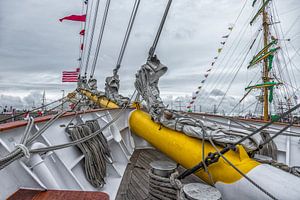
[100, 38]
[19, 152]
[220, 77]
[91, 38]
[112, 83]
[85, 36]
[240, 172]
[32, 110]
[153, 47]
[194, 98]
[214, 157]
[127, 35]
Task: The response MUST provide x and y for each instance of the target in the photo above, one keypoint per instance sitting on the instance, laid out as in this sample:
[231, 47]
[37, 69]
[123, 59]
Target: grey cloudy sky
[35, 47]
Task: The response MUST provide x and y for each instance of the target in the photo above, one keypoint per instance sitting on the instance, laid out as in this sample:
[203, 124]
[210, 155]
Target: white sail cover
[147, 85]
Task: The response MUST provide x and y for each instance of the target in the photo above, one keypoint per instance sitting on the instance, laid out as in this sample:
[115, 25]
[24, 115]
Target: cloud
[35, 47]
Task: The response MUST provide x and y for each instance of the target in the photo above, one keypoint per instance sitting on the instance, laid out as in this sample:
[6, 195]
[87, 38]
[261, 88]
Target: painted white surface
[280, 184]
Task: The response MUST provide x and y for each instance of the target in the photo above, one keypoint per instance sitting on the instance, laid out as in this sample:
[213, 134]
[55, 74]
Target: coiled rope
[96, 152]
[163, 188]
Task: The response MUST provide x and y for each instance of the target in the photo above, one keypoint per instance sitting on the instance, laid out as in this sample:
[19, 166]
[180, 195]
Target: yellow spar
[187, 151]
[103, 102]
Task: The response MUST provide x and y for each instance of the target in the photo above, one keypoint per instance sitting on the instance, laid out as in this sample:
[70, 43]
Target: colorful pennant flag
[80, 18]
[194, 97]
[82, 32]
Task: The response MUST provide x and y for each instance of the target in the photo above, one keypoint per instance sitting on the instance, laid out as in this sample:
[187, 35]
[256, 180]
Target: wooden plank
[29, 194]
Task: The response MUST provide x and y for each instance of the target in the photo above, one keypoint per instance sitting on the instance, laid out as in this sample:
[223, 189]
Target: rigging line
[30, 111]
[221, 76]
[239, 171]
[242, 32]
[235, 75]
[225, 42]
[91, 37]
[100, 38]
[286, 90]
[127, 34]
[255, 75]
[293, 25]
[227, 53]
[81, 140]
[287, 56]
[153, 47]
[85, 36]
[289, 11]
[243, 110]
[214, 157]
[281, 29]
[296, 50]
[80, 40]
[17, 153]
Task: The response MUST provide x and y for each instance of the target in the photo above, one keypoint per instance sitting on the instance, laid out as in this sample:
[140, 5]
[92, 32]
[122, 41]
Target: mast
[265, 74]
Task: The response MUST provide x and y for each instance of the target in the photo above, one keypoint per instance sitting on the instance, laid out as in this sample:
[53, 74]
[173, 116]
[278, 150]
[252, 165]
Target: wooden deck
[134, 184]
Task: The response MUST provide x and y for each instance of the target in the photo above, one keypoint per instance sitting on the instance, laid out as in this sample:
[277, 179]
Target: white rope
[24, 149]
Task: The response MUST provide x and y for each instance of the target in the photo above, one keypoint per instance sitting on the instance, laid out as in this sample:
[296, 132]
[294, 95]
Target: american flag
[70, 76]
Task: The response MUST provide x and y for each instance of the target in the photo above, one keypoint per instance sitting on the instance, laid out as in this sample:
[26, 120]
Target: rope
[22, 148]
[86, 27]
[91, 37]
[164, 188]
[214, 157]
[127, 34]
[153, 47]
[240, 172]
[30, 111]
[100, 38]
[96, 152]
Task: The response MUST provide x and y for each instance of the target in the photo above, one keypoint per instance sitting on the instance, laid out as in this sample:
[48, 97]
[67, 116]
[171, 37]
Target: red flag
[81, 47]
[80, 18]
[82, 32]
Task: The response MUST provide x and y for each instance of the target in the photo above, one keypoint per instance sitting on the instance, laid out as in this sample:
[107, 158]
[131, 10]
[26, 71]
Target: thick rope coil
[95, 150]
[164, 188]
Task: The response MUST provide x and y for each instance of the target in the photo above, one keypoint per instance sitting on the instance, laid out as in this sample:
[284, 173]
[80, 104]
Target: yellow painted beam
[103, 102]
[187, 151]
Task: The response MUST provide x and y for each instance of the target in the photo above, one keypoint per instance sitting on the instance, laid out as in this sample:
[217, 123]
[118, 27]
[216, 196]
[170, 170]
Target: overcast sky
[35, 47]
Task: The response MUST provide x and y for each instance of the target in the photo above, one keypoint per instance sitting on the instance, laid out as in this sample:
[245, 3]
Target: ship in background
[111, 144]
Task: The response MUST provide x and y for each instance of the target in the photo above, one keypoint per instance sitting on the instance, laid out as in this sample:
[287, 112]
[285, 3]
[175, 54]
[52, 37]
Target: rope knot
[24, 149]
[174, 181]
